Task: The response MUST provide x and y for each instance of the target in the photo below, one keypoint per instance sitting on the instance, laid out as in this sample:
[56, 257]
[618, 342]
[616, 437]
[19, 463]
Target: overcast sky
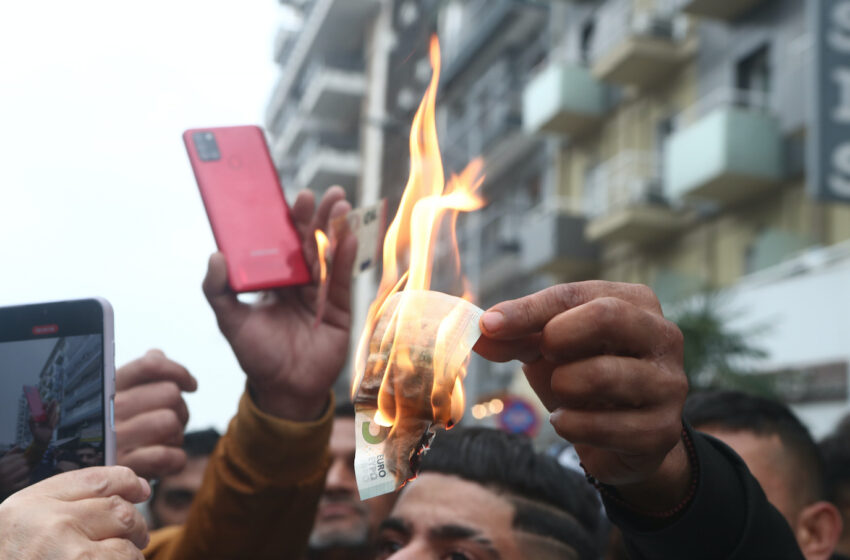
[97, 194]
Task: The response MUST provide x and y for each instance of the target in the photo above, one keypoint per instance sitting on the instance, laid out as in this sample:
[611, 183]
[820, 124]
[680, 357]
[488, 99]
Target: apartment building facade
[685, 125]
[651, 141]
[314, 115]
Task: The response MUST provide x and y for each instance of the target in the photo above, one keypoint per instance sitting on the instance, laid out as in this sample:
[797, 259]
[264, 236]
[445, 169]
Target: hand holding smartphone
[246, 207]
[57, 383]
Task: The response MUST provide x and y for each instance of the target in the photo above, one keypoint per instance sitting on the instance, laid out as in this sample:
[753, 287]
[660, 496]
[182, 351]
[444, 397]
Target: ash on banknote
[411, 384]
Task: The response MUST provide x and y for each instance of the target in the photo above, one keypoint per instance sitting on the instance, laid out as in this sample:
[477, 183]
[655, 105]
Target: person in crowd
[14, 472]
[86, 513]
[345, 527]
[782, 456]
[172, 494]
[835, 450]
[482, 493]
[264, 480]
[87, 455]
[67, 460]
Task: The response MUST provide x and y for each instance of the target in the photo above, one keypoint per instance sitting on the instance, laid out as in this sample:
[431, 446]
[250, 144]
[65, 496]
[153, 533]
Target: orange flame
[322, 243]
[429, 207]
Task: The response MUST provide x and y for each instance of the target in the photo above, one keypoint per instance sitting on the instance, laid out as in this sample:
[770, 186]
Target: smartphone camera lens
[207, 146]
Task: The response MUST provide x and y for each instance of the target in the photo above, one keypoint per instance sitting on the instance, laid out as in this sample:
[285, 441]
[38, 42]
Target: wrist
[287, 406]
[667, 492]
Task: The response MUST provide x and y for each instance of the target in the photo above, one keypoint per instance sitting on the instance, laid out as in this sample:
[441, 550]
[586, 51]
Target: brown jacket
[259, 495]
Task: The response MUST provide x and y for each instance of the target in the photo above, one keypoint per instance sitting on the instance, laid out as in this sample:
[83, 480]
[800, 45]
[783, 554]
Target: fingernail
[492, 321]
[145, 486]
[553, 418]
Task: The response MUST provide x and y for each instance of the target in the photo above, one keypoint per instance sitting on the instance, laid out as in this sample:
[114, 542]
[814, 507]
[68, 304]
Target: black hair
[835, 450]
[736, 411]
[344, 409]
[534, 483]
[87, 445]
[67, 455]
[200, 443]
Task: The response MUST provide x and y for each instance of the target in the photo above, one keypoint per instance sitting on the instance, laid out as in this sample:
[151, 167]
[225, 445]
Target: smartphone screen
[56, 388]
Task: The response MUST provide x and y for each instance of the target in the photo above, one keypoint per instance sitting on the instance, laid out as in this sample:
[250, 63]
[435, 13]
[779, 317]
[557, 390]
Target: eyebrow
[458, 532]
[394, 524]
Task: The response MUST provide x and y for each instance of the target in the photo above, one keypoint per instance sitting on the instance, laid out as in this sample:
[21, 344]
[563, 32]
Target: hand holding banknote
[608, 365]
[290, 364]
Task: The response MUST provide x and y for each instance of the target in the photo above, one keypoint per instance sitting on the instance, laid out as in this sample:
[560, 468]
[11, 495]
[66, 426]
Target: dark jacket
[728, 518]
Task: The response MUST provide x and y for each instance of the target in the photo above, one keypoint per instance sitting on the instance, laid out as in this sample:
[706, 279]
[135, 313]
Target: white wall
[805, 313]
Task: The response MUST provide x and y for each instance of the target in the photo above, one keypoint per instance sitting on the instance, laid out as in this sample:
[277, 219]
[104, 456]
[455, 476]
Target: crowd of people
[21, 466]
[715, 475]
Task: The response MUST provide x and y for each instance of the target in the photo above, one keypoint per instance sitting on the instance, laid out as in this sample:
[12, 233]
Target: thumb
[227, 308]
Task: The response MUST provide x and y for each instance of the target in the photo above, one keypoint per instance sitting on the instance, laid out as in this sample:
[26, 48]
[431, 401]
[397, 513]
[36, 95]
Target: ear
[818, 530]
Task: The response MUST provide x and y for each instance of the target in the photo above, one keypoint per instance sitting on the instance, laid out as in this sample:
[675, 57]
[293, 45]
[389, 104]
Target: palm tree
[716, 356]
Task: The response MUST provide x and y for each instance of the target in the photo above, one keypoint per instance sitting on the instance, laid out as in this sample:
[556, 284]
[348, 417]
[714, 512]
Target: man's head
[782, 456]
[836, 458]
[172, 495]
[67, 461]
[87, 455]
[345, 526]
[484, 494]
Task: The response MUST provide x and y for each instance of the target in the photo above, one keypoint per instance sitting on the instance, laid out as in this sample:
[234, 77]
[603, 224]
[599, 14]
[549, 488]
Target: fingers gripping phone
[246, 207]
[57, 387]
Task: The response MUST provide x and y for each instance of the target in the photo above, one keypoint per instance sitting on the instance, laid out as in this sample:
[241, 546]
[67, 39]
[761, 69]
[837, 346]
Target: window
[587, 31]
[752, 77]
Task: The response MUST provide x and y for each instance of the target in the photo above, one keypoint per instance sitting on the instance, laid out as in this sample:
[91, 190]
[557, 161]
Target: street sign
[518, 417]
[829, 133]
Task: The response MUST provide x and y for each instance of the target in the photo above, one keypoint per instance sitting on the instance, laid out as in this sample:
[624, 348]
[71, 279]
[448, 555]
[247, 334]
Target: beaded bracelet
[610, 492]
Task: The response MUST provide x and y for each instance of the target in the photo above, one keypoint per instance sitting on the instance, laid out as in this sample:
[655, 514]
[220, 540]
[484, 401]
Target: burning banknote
[412, 355]
[411, 385]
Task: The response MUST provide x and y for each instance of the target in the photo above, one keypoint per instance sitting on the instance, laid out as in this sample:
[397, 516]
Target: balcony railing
[321, 163]
[632, 177]
[637, 47]
[726, 10]
[553, 241]
[333, 89]
[625, 201]
[564, 98]
[726, 148]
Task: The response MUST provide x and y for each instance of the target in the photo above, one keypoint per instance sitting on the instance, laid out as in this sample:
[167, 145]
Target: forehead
[190, 477]
[342, 436]
[435, 499]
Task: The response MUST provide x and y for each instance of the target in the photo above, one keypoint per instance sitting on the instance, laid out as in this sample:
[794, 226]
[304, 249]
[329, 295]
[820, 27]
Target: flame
[323, 247]
[322, 243]
[427, 213]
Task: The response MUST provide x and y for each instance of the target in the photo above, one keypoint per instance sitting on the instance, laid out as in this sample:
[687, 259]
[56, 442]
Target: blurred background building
[653, 141]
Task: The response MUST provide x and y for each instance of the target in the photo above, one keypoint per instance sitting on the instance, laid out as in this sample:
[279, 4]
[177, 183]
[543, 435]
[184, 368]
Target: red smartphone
[37, 411]
[246, 207]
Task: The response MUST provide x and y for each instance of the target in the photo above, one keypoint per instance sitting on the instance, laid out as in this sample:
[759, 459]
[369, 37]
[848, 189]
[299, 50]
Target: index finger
[527, 315]
[94, 482]
[152, 367]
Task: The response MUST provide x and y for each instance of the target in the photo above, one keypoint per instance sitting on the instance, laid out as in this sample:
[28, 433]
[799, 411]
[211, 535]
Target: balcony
[330, 28]
[333, 91]
[553, 241]
[639, 48]
[624, 201]
[726, 10]
[322, 164]
[729, 151]
[331, 100]
[283, 42]
[564, 98]
[498, 255]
